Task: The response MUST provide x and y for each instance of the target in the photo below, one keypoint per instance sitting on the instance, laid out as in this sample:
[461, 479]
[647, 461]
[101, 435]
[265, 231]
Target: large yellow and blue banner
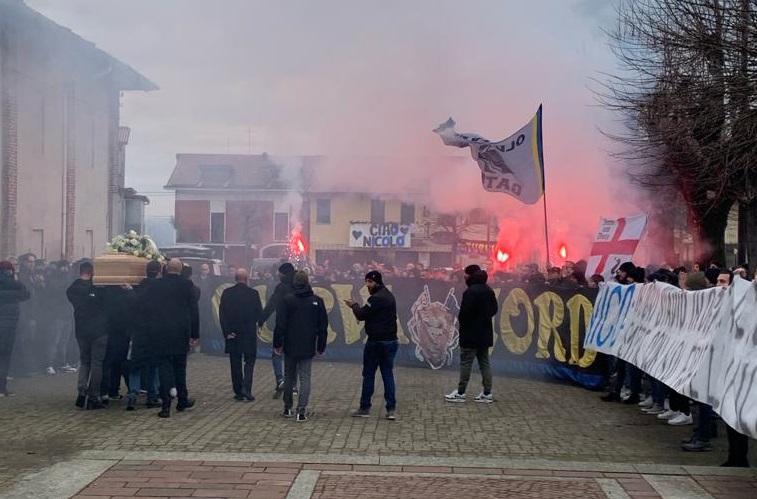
[538, 331]
[513, 166]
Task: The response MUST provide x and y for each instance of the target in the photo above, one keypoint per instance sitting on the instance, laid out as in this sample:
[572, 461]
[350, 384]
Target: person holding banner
[477, 309]
[738, 443]
[627, 273]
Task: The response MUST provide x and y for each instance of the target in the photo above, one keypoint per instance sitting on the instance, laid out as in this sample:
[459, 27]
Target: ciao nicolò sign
[384, 235]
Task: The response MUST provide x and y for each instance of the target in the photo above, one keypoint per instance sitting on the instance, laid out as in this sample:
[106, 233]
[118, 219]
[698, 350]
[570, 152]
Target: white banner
[615, 243]
[386, 235]
[513, 166]
[702, 344]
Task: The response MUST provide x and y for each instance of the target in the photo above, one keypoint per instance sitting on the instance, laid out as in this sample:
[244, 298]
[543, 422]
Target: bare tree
[688, 92]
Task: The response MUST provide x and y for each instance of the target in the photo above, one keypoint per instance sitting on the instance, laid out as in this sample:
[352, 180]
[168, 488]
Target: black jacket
[478, 307]
[142, 336]
[171, 313]
[239, 312]
[284, 288]
[301, 324]
[11, 293]
[90, 310]
[379, 314]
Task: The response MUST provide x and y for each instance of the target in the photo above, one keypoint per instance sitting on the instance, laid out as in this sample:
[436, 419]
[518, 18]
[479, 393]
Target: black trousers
[634, 373]
[172, 370]
[738, 448]
[114, 366]
[679, 402]
[7, 340]
[241, 377]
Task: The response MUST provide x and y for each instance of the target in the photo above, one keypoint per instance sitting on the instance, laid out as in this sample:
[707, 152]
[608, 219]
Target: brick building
[245, 207]
[62, 151]
[242, 206]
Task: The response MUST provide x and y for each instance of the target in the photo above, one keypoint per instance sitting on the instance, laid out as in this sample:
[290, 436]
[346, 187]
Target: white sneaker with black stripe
[484, 398]
[455, 397]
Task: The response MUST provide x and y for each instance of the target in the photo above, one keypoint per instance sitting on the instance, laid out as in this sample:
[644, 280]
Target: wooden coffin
[119, 268]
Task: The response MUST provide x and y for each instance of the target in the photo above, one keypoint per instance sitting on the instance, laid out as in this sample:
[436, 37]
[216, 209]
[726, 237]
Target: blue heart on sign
[404, 229]
[357, 233]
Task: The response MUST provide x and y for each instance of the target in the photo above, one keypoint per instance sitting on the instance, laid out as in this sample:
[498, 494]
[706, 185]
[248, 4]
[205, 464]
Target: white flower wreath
[132, 243]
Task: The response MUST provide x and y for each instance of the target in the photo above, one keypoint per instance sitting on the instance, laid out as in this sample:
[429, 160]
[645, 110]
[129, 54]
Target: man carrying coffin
[239, 311]
[170, 307]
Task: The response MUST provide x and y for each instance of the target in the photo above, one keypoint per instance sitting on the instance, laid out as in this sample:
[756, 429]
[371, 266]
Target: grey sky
[353, 77]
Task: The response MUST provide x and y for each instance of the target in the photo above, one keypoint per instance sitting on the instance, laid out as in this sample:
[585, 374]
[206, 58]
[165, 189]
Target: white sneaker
[50, 371]
[484, 399]
[455, 397]
[654, 410]
[668, 414]
[681, 420]
[647, 402]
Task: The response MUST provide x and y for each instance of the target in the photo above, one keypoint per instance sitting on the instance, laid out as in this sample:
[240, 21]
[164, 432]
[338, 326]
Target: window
[39, 242]
[478, 216]
[281, 226]
[407, 214]
[89, 242]
[378, 215]
[323, 211]
[92, 144]
[217, 227]
[446, 220]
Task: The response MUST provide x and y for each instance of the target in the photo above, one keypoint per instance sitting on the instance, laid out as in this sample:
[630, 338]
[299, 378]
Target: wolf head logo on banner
[433, 328]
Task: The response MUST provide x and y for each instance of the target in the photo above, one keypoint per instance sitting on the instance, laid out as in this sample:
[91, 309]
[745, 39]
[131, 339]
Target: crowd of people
[143, 334]
[631, 386]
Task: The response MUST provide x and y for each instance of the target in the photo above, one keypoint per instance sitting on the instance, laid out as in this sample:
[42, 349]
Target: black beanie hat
[472, 269]
[712, 275]
[375, 276]
[638, 274]
[286, 268]
[627, 267]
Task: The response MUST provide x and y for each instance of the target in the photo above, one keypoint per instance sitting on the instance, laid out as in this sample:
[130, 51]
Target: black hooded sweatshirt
[478, 307]
[301, 323]
[283, 288]
[379, 314]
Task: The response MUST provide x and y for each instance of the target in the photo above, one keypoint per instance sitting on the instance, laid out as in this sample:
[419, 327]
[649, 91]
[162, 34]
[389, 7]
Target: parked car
[194, 256]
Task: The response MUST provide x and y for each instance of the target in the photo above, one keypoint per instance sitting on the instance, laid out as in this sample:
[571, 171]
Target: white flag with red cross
[614, 244]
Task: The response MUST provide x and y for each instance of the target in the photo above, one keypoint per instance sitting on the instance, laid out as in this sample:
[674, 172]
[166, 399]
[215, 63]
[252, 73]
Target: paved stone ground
[530, 420]
[296, 480]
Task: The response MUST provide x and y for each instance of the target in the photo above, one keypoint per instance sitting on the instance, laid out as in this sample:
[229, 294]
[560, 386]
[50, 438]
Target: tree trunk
[710, 224]
[748, 233]
[662, 223]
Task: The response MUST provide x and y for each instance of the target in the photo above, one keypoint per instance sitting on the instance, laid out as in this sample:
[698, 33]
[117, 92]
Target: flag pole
[540, 148]
[546, 227]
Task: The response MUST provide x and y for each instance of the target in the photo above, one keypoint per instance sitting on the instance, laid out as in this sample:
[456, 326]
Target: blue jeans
[658, 392]
[135, 382]
[278, 366]
[379, 355]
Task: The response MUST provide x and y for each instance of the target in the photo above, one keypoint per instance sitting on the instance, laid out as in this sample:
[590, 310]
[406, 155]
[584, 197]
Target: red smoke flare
[297, 244]
[563, 252]
[502, 256]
